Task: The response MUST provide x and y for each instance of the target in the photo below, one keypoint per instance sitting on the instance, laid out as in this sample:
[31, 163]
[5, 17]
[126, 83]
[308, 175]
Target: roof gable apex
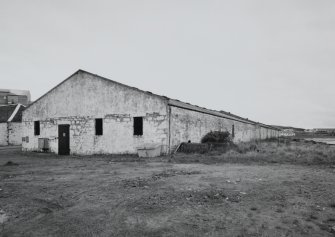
[79, 71]
[52, 89]
[122, 85]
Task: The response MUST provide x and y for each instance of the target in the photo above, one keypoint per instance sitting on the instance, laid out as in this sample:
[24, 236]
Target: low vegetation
[284, 151]
[217, 137]
[270, 188]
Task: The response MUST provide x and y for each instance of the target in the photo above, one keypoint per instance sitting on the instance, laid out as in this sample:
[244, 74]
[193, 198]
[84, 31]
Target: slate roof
[7, 111]
[18, 115]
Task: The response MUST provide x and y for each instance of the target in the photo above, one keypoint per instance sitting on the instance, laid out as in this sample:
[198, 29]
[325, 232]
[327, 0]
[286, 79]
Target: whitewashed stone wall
[191, 125]
[117, 135]
[245, 132]
[3, 134]
[15, 133]
[84, 97]
[10, 133]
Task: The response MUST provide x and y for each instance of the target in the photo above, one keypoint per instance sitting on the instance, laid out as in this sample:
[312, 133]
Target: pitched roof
[6, 112]
[171, 102]
[11, 113]
[180, 104]
[17, 115]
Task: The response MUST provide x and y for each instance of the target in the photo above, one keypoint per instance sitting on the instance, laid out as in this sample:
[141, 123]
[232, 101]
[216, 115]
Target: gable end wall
[84, 97]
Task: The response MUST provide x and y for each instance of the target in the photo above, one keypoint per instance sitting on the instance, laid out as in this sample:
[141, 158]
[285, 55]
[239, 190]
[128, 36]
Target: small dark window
[98, 127]
[138, 126]
[37, 128]
[233, 131]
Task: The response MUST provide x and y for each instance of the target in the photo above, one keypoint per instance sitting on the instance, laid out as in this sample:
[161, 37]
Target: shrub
[217, 137]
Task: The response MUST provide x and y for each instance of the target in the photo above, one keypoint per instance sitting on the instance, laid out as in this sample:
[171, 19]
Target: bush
[217, 137]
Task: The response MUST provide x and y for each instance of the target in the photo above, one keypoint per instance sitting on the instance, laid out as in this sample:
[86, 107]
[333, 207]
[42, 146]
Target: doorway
[64, 139]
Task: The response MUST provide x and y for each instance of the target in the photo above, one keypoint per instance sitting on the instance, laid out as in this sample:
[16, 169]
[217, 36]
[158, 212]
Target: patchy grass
[48, 195]
[285, 152]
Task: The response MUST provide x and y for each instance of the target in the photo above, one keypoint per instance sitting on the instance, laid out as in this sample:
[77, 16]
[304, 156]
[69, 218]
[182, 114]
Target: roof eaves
[177, 103]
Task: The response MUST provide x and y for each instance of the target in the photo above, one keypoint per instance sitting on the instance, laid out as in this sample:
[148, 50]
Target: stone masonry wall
[3, 134]
[10, 133]
[15, 133]
[117, 135]
[84, 97]
[191, 125]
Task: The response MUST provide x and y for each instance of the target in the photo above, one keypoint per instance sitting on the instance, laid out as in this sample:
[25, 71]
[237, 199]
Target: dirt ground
[47, 195]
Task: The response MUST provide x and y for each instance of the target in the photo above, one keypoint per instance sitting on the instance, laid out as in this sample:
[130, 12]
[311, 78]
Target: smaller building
[287, 133]
[14, 97]
[11, 124]
[324, 131]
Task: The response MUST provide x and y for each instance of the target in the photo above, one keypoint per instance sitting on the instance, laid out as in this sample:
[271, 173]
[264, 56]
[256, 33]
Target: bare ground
[47, 195]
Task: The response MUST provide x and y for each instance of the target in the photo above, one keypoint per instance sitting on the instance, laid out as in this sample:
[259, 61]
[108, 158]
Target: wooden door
[64, 139]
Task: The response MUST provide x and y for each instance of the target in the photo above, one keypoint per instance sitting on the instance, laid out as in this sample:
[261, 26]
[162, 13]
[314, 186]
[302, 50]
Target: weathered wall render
[193, 125]
[84, 97]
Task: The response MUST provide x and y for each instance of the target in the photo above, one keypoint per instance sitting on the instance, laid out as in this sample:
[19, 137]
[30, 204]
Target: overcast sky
[271, 61]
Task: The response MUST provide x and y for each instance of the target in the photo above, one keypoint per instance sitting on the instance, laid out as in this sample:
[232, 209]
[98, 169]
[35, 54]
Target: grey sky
[270, 61]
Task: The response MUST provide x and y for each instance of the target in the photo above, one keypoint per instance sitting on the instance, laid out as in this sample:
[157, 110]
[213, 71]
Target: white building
[10, 96]
[10, 124]
[89, 114]
[287, 133]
